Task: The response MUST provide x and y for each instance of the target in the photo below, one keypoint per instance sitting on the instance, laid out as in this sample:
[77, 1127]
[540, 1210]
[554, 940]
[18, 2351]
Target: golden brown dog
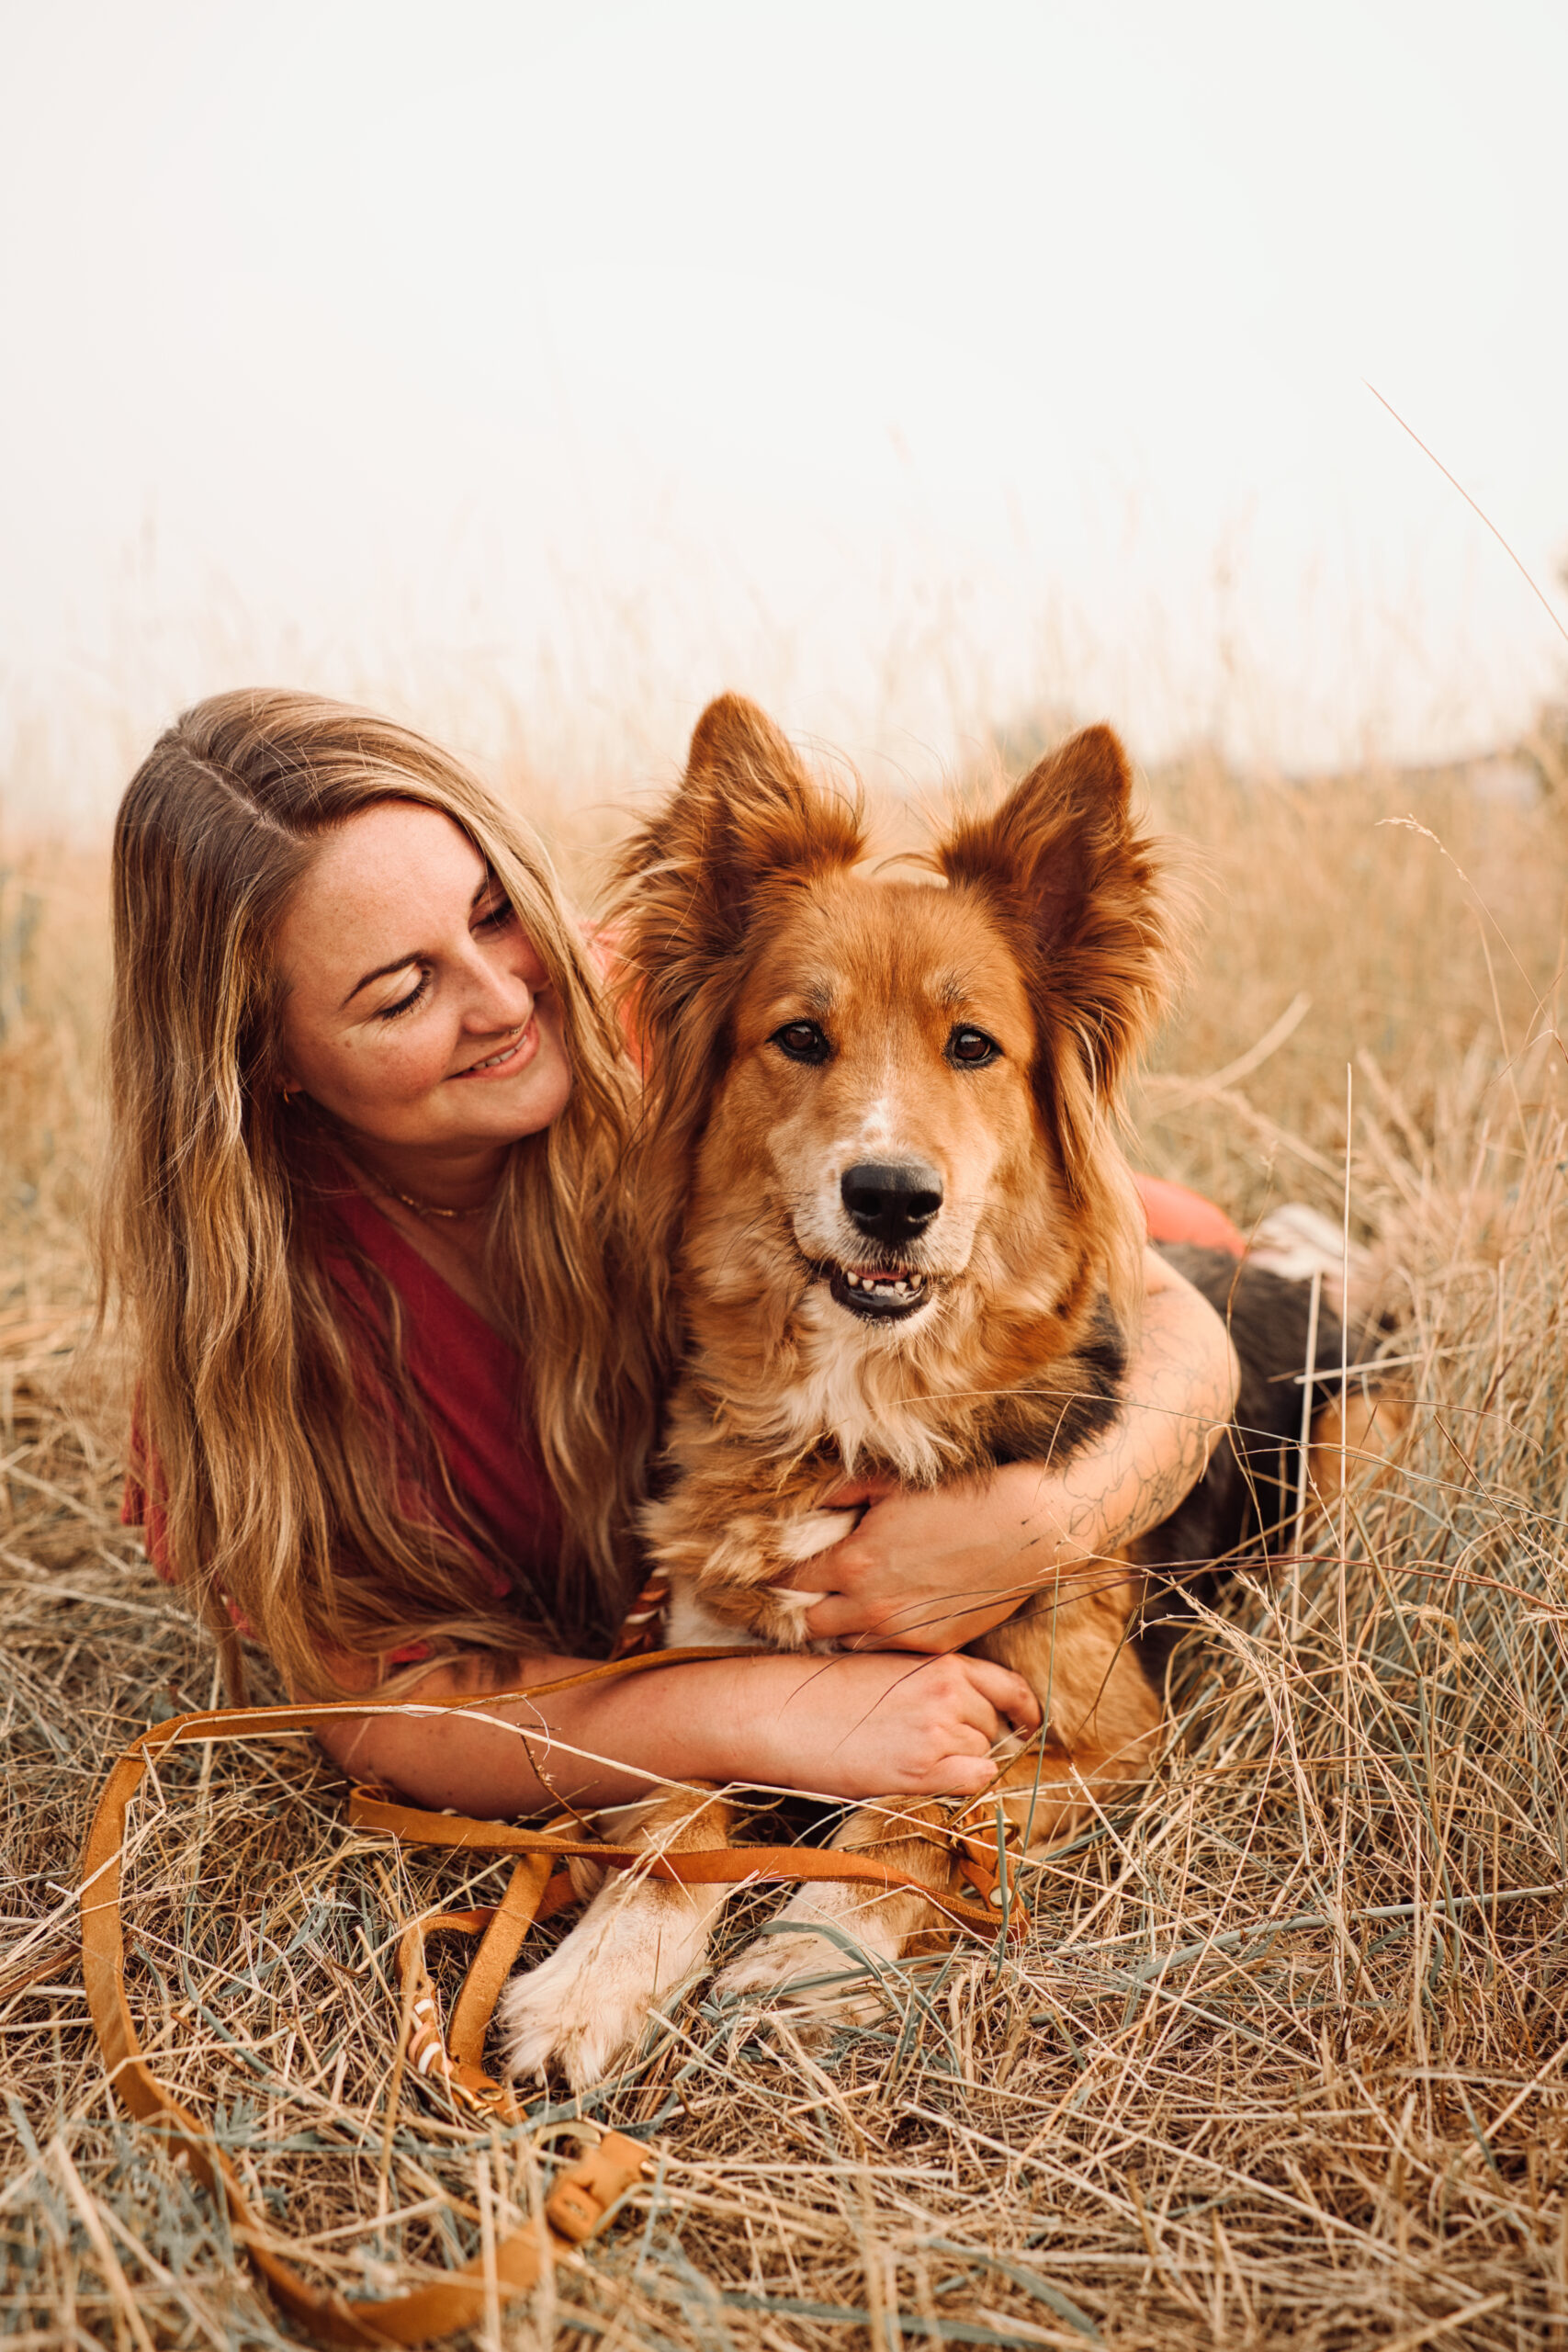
[881, 1158]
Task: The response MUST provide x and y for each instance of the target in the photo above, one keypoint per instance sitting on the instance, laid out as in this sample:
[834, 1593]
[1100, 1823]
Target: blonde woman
[399, 1358]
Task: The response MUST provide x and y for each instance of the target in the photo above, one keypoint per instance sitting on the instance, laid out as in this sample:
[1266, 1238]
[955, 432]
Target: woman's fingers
[927, 1627]
[836, 1616]
[960, 1776]
[1005, 1693]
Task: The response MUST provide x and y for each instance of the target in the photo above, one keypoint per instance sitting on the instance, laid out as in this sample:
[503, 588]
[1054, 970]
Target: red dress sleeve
[1174, 1213]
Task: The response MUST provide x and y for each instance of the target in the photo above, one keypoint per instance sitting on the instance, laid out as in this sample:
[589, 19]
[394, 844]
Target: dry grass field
[1281, 2059]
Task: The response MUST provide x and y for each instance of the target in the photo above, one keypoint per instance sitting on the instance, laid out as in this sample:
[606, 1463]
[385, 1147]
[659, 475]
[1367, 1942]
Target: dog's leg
[1104, 1722]
[737, 1572]
[793, 1949]
[1364, 1441]
[1072, 1646]
[583, 2011]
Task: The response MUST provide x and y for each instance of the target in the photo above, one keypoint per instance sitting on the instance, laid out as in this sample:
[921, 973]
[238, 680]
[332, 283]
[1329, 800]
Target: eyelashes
[406, 1003]
[490, 923]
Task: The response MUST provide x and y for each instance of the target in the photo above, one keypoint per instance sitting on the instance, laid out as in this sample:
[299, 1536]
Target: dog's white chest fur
[854, 1391]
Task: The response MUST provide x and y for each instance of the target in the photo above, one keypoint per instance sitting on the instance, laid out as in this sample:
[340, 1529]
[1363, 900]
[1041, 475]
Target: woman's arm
[871, 1726]
[931, 1571]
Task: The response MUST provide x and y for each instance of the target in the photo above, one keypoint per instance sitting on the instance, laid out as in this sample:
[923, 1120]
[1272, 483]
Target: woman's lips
[509, 1059]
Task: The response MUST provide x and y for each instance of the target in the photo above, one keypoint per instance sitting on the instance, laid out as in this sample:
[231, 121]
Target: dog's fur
[750, 934]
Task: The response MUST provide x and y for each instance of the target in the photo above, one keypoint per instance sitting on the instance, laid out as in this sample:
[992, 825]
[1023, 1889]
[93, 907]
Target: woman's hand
[933, 1571]
[875, 1726]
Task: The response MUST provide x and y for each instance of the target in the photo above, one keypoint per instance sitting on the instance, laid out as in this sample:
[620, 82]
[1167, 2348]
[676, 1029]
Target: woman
[399, 1375]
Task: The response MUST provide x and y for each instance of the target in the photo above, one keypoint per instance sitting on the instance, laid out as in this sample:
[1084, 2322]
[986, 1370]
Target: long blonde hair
[277, 1477]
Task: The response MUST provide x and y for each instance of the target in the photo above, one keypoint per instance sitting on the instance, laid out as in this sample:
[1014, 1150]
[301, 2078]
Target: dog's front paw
[553, 2022]
[824, 1982]
[580, 2014]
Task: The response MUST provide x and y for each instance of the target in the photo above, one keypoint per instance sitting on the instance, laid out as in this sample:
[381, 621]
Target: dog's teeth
[904, 1287]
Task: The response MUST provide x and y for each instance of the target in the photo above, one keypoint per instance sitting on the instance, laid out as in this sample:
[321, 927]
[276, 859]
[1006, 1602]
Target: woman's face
[417, 1012]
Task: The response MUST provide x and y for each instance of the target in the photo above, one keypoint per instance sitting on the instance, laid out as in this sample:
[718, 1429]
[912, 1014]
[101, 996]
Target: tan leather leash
[585, 2191]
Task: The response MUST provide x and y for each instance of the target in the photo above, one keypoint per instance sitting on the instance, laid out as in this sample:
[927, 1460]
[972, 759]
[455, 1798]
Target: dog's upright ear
[746, 811]
[746, 819]
[1083, 897]
[746, 825]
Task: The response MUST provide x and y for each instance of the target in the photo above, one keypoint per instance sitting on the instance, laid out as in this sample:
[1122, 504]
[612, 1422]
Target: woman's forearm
[605, 1744]
[842, 1726]
[1180, 1391]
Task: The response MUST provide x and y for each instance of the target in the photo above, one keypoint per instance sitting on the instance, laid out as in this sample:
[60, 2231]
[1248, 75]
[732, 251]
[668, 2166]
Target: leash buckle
[577, 2205]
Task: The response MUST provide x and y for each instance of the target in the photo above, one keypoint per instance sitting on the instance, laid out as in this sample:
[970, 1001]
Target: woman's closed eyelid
[405, 1003]
[496, 918]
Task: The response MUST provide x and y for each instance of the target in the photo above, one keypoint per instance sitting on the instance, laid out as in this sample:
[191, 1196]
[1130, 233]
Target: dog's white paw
[784, 1965]
[582, 2012]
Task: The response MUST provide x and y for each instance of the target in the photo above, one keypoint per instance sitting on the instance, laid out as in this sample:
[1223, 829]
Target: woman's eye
[405, 1003]
[495, 917]
[803, 1041]
[972, 1049]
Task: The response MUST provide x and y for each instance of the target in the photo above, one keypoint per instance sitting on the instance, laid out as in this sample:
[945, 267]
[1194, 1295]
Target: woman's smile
[511, 1058]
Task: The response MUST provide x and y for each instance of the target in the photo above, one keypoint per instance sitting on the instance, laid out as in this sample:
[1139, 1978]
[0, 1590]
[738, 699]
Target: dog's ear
[746, 825]
[1079, 891]
[745, 817]
[746, 811]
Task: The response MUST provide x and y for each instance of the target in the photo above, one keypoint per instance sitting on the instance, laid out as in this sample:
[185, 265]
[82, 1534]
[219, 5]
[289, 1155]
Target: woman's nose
[500, 999]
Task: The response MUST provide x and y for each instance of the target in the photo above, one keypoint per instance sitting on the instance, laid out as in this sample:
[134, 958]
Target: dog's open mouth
[879, 1293]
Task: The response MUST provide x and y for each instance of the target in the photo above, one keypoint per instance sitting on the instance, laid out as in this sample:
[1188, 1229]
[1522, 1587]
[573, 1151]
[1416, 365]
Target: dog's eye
[972, 1049]
[803, 1041]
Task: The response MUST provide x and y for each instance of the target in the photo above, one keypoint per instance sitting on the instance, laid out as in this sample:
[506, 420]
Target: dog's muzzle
[891, 1203]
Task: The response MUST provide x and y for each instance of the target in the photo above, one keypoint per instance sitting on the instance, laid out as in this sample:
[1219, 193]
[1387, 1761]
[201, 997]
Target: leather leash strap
[720, 1866]
[585, 2191]
[574, 2209]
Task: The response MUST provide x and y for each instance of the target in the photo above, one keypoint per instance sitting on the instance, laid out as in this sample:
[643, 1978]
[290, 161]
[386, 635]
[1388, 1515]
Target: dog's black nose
[891, 1200]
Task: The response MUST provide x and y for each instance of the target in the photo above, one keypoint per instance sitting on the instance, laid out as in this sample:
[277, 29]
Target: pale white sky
[548, 367]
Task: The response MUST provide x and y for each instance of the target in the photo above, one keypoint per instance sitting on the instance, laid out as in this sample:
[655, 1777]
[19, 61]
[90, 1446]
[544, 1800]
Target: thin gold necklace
[430, 1208]
[420, 1208]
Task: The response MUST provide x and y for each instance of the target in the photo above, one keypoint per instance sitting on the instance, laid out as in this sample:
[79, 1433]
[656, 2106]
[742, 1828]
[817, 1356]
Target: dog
[881, 1155]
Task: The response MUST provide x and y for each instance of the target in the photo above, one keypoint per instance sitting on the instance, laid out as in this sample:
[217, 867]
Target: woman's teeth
[504, 1055]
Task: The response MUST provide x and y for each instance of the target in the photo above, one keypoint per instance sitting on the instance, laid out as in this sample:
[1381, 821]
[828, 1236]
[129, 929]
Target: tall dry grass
[1281, 2060]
